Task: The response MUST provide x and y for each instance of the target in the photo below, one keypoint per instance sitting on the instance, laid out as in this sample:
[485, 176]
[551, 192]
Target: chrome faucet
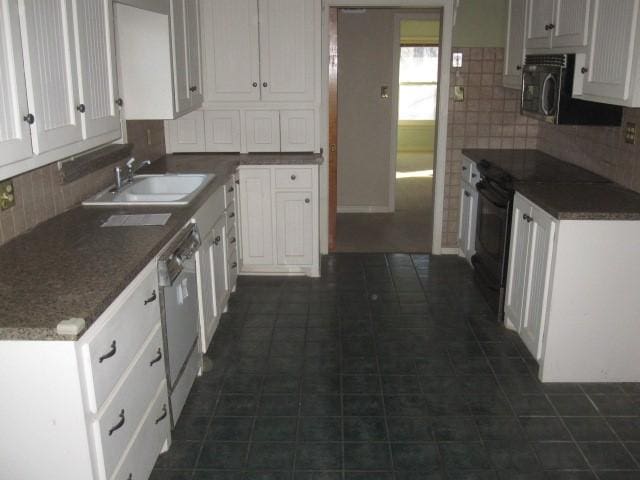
[118, 174]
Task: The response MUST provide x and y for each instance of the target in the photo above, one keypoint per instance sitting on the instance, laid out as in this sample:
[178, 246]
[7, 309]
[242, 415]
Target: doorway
[386, 84]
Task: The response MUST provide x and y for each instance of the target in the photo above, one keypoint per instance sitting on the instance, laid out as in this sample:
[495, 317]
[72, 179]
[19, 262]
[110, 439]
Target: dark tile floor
[389, 367]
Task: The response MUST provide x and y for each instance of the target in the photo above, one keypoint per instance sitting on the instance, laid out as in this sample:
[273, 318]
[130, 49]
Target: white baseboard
[365, 209]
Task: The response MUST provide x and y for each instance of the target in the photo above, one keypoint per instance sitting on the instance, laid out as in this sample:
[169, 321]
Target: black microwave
[547, 87]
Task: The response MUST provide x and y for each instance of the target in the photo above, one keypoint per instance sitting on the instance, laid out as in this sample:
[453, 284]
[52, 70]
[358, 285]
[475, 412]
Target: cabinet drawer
[469, 171]
[232, 238]
[232, 263]
[116, 425]
[128, 323]
[150, 437]
[293, 178]
[231, 215]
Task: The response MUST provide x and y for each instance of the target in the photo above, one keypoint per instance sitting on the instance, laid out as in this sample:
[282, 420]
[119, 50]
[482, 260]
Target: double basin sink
[167, 189]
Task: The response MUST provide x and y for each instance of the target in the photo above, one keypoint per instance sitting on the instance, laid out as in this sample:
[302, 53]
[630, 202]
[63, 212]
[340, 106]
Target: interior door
[539, 16]
[287, 60]
[15, 139]
[571, 21]
[50, 68]
[294, 228]
[180, 56]
[230, 43]
[612, 49]
[192, 20]
[538, 271]
[97, 68]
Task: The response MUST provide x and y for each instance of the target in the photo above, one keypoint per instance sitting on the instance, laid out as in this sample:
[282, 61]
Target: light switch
[630, 133]
[456, 61]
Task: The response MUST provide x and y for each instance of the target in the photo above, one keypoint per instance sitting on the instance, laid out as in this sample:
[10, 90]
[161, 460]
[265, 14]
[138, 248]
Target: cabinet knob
[265, 84]
[467, 194]
[255, 84]
[584, 70]
[193, 88]
[233, 240]
[526, 217]
[232, 214]
[549, 26]
[518, 67]
[230, 190]
[119, 102]
[474, 175]
[293, 177]
[464, 168]
[216, 240]
[81, 108]
[29, 118]
[234, 264]
[307, 200]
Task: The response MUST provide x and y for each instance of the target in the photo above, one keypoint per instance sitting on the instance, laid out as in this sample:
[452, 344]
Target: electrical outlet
[630, 133]
[7, 195]
[458, 93]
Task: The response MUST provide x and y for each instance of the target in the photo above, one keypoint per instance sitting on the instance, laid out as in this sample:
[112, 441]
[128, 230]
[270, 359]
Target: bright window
[418, 83]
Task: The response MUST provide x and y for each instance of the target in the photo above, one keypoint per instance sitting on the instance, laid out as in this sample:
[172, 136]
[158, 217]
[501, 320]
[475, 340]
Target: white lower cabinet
[89, 412]
[572, 294]
[468, 209]
[279, 220]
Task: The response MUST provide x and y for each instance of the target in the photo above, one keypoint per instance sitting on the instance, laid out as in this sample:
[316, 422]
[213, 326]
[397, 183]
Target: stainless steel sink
[168, 189]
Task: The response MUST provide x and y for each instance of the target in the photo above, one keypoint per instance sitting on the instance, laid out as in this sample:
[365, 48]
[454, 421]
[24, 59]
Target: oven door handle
[483, 190]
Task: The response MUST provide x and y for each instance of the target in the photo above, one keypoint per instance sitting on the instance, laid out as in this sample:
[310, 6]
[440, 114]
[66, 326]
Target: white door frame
[395, 95]
[447, 7]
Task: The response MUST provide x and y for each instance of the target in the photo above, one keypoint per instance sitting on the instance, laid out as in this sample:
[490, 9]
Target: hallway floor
[409, 228]
[389, 367]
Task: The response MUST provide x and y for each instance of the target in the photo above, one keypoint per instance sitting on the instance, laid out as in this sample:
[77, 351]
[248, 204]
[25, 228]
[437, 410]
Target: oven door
[492, 237]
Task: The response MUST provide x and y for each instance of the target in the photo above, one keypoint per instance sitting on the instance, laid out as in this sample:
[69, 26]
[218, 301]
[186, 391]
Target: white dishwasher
[179, 308]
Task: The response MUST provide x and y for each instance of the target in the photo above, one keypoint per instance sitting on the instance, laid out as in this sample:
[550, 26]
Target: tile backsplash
[599, 149]
[41, 195]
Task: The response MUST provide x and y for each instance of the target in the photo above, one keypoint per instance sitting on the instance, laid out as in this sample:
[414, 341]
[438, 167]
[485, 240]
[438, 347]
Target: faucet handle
[130, 162]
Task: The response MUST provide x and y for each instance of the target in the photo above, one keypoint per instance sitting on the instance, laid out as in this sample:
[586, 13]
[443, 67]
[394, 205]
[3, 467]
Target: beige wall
[416, 136]
[480, 23]
[40, 194]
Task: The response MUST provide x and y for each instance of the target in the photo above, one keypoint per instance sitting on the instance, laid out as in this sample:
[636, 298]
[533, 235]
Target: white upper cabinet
[514, 45]
[557, 23]
[611, 69]
[50, 69]
[231, 52]
[259, 50]
[96, 65]
[286, 49]
[15, 139]
[155, 51]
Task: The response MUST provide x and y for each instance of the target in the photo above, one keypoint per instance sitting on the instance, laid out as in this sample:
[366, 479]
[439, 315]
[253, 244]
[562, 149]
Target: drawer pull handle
[464, 168]
[118, 425]
[110, 353]
[467, 194]
[233, 240]
[152, 298]
[157, 359]
[230, 190]
[216, 240]
[293, 177]
[237, 182]
[473, 175]
[164, 414]
[234, 264]
[526, 217]
[232, 214]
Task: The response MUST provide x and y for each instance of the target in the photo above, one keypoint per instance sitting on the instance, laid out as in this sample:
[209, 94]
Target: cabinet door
[463, 225]
[287, 59]
[516, 276]
[262, 128]
[222, 130]
[96, 65]
[294, 228]
[230, 43]
[256, 224]
[539, 16]
[15, 139]
[206, 293]
[180, 55]
[50, 69]
[514, 47]
[537, 280]
[571, 20]
[192, 21]
[220, 276]
[297, 130]
[186, 134]
[612, 49]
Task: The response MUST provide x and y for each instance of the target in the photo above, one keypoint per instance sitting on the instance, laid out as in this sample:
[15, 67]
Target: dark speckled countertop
[70, 267]
[565, 191]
